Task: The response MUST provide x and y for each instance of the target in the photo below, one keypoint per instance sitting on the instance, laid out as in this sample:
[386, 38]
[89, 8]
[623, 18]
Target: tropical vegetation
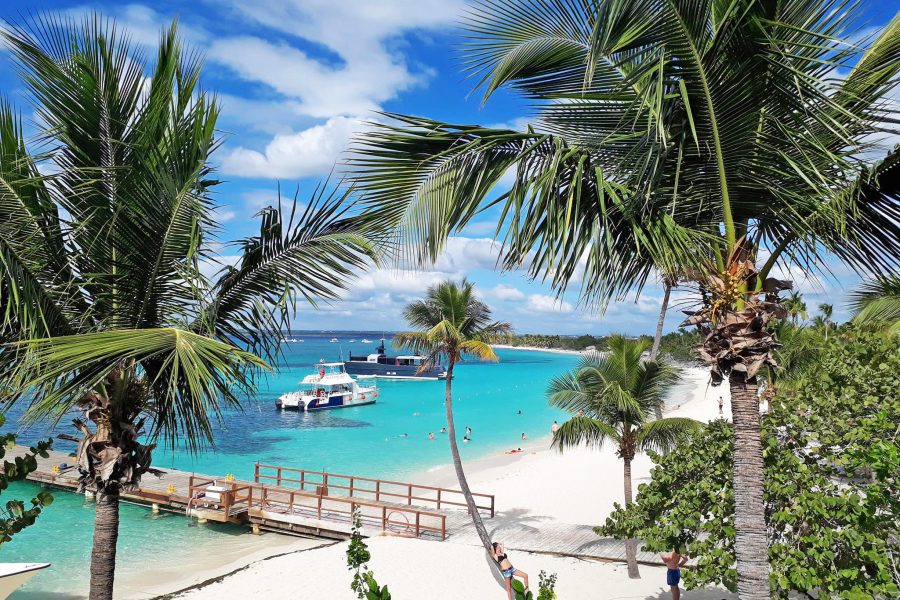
[105, 236]
[15, 517]
[714, 139]
[451, 323]
[614, 397]
[832, 475]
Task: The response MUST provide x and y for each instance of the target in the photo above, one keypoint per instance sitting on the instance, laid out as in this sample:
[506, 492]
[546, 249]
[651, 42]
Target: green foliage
[832, 467]
[614, 397]
[546, 585]
[364, 584]
[16, 517]
[681, 345]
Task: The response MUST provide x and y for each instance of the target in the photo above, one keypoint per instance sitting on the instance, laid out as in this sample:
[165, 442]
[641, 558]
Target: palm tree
[795, 307]
[824, 319]
[724, 138]
[453, 323]
[614, 397]
[106, 307]
[877, 302]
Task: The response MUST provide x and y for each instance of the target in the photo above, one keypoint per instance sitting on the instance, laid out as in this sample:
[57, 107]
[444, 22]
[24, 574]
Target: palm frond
[311, 255]
[584, 431]
[877, 302]
[664, 435]
[193, 377]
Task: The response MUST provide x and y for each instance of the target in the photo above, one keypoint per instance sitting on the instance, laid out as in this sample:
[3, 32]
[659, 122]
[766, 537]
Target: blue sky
[297, 78]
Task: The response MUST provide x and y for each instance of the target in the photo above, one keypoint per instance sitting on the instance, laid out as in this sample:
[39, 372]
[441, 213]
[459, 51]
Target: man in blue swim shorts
[674, 560]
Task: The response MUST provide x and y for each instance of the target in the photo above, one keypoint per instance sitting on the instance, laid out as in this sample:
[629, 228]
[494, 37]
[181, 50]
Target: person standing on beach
[674, 561]
[721, 404]
[554, 428]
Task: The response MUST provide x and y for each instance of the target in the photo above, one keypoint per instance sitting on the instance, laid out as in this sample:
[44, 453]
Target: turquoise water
[364, 441]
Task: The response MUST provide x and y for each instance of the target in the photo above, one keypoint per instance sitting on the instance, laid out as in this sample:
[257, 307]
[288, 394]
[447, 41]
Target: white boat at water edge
[329, 387]
[15, 575]
[333, 340]
[365, 341]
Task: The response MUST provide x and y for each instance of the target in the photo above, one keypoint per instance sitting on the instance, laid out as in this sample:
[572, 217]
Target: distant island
[678, 345]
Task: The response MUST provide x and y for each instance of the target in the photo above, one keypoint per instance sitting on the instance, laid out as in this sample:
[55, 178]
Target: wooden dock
[320, 504]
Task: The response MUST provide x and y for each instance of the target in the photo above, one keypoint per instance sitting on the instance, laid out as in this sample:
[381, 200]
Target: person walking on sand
[674, 561]
[721, 404]
[498, 553]
[554, 428]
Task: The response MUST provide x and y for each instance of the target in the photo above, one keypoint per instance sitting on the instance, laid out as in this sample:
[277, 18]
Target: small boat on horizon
[365, 341]
[329, 387]
[333, 340]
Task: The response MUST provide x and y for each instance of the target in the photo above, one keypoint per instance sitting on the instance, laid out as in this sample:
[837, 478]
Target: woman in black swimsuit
[499, 555]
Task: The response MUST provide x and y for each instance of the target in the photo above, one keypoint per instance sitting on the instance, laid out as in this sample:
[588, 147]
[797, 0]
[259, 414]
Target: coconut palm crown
[453, 323]
[106, 306]
[614, 397]
[718, 138]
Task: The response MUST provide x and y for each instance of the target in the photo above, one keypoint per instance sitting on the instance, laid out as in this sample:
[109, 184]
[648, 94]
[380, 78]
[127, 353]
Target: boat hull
[15, 575]
[385, 371]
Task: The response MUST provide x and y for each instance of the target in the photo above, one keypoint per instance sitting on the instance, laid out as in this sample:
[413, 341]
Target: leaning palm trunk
[630, 545]
[750, 545]
[103, 553]
[457, 463]
[657, 339]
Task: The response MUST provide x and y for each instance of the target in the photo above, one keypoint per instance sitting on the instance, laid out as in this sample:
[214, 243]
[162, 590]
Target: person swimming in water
[431, 435]
[674, 561]
[465, 439]
[443, 430]
[498, 553]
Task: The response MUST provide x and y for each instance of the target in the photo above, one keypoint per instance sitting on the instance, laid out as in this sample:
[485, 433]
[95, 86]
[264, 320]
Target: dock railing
[236, 498]
[391, 519]
[379, 490]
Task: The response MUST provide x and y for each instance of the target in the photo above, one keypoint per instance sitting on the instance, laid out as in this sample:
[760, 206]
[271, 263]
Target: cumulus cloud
[305, 153]
[542, 303]
[506, 292]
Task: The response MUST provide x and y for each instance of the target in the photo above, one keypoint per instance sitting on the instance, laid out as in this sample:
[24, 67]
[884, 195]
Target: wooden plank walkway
[517, 532]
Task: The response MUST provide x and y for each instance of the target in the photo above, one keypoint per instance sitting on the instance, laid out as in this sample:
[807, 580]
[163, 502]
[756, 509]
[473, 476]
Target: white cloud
[506, 292]
[542, 303]
[306, 153]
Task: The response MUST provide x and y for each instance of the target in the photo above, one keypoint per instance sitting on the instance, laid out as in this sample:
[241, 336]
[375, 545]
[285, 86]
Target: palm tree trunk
[751, 546]
[103, 554]
[630, 545]
[457, 463]
[657, 339]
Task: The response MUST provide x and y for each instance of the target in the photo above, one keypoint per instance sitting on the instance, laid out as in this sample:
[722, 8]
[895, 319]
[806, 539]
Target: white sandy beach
[536, 349]
[578, 487]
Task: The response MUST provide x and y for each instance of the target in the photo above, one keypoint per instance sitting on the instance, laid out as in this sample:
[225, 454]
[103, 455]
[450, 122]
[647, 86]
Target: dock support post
[254, 528]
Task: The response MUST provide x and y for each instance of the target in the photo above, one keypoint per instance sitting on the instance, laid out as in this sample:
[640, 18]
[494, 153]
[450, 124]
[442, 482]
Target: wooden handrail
[289, 497]
[484, 502]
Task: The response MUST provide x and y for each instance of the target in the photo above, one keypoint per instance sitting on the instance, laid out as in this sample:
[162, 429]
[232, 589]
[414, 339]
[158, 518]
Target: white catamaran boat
[328, 387]
[14, 575]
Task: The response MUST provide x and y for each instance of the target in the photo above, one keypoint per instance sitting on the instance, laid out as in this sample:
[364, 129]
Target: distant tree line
[677, 345]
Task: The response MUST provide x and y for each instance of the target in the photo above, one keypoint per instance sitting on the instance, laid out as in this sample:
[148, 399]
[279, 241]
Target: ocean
[389, 439]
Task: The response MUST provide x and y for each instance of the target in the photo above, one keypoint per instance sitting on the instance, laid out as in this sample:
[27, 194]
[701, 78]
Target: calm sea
[498, 401]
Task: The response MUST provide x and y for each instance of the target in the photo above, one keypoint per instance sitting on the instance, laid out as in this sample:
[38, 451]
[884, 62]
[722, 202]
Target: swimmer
[430, 435]
[468, 431]
[466, 440]
[524, 437]
[443, 430]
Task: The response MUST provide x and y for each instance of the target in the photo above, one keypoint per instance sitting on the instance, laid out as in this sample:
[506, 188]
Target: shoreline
[537, 349]
[538, 488]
